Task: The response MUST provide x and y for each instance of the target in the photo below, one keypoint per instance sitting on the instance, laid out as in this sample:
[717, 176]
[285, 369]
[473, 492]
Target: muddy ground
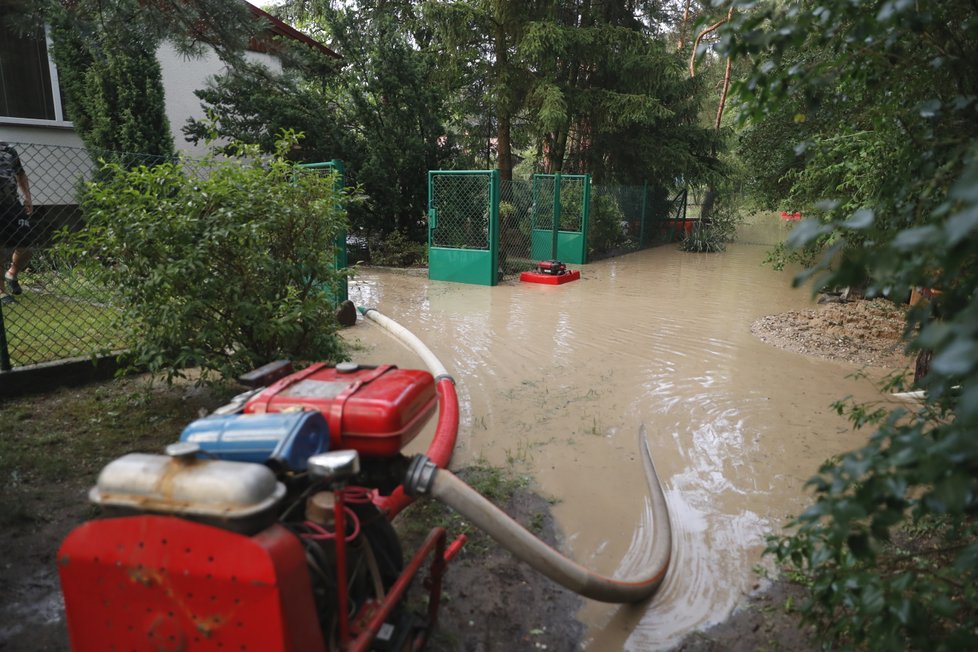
[860, 332]
[52, 446]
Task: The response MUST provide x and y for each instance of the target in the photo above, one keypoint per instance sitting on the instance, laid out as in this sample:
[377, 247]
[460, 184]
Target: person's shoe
[12, 282]
[6, 299]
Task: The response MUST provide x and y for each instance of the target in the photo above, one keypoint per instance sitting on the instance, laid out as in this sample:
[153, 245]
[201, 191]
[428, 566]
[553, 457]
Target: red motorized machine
[553, 267]
[265, 528]
[550, 272]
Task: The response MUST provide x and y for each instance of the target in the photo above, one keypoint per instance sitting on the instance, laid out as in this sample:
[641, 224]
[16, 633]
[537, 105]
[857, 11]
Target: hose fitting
[420, 476]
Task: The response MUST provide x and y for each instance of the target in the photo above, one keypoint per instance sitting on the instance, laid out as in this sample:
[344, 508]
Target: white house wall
[182, 76]
[54, 156]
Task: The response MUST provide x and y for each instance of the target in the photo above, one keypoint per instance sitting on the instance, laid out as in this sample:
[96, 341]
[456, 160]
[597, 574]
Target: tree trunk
[683, 26]
[706, 210]
[504, 147]
[922, 366]
[723, 93]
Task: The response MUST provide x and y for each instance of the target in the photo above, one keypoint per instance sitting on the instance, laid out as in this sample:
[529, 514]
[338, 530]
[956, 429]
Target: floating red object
[550, 279]
[553, 267]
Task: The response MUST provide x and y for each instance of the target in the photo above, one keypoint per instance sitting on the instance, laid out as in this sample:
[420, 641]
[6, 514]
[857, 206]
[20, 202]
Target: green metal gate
[463, 226]
[561, 204]
[336, 168]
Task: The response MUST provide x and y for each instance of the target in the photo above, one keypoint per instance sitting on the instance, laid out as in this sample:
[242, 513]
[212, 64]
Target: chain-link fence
[516, 219]
[53, 311]
[461, 210]
[337, 170]
[620, 219]
[527, 210]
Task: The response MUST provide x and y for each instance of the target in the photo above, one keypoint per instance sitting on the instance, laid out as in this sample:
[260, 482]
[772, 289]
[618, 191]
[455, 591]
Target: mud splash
[557, 380]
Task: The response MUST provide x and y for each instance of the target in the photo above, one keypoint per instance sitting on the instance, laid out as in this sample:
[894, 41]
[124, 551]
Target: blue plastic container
[283, 440]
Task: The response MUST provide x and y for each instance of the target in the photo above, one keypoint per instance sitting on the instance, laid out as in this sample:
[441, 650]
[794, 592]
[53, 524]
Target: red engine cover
[373, 410]
[164, 583]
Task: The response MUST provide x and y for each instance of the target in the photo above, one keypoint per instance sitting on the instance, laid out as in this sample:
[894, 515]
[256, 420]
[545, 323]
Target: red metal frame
[145, 578]
[375, 615]
[342, 594]
[171, 580]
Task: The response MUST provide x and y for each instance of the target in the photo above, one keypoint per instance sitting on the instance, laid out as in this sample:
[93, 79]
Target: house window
[29, 91]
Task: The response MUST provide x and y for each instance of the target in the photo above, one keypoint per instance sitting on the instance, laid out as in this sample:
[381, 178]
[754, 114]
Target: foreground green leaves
[886, 168]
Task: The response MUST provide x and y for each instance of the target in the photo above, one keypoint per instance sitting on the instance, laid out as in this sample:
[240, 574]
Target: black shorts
[15, 225]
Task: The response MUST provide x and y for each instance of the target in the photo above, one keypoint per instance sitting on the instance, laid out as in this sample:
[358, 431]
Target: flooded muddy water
[556, 381]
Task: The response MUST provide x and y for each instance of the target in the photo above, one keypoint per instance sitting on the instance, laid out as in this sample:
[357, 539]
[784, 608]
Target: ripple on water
[557, 380]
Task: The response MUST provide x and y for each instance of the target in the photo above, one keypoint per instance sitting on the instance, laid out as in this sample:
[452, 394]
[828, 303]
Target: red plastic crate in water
[373, 410]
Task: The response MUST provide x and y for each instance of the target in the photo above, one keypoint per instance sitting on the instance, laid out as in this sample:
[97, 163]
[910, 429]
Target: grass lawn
[42, 327]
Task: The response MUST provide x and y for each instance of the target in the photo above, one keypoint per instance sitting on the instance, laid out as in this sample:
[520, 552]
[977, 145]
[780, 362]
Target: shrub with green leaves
[397, 250]
[890, 545]
[605, 230]
[712, 235]
[224, 267]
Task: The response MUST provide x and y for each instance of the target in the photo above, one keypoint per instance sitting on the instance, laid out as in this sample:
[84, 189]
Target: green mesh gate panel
[336, 168]
[515, 227]
[463, 226]
[560, 217]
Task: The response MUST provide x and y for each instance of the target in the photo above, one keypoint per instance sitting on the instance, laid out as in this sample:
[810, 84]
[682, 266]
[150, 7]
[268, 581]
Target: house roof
[279, 28]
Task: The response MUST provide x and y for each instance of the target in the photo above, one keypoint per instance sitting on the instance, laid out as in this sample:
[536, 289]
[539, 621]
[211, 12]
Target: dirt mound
[865, 333]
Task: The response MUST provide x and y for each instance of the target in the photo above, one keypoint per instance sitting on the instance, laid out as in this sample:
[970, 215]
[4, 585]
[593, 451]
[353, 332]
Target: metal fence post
[556, 224]
[641, 228]
[342, 293]
[494, 224]
[432, 214]
[585, 215]
[4, 352]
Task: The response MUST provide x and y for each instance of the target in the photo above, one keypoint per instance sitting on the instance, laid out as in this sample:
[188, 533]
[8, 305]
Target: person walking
[15, 225]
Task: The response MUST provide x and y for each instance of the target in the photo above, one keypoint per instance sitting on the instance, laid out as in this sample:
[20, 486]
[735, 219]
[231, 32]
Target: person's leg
[21, 240]
[5, 248]
[18, 261]
[5, 299]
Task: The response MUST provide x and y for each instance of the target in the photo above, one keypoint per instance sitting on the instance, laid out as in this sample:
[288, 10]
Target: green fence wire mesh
[461, 210]
[516, 219]
[59, 313]
[62, 314]
[620, 219]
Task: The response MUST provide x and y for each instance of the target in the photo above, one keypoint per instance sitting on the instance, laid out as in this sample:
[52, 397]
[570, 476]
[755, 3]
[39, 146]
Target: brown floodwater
[556, 381]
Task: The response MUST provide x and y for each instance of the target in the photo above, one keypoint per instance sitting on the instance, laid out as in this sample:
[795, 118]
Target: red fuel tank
[373, 410]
